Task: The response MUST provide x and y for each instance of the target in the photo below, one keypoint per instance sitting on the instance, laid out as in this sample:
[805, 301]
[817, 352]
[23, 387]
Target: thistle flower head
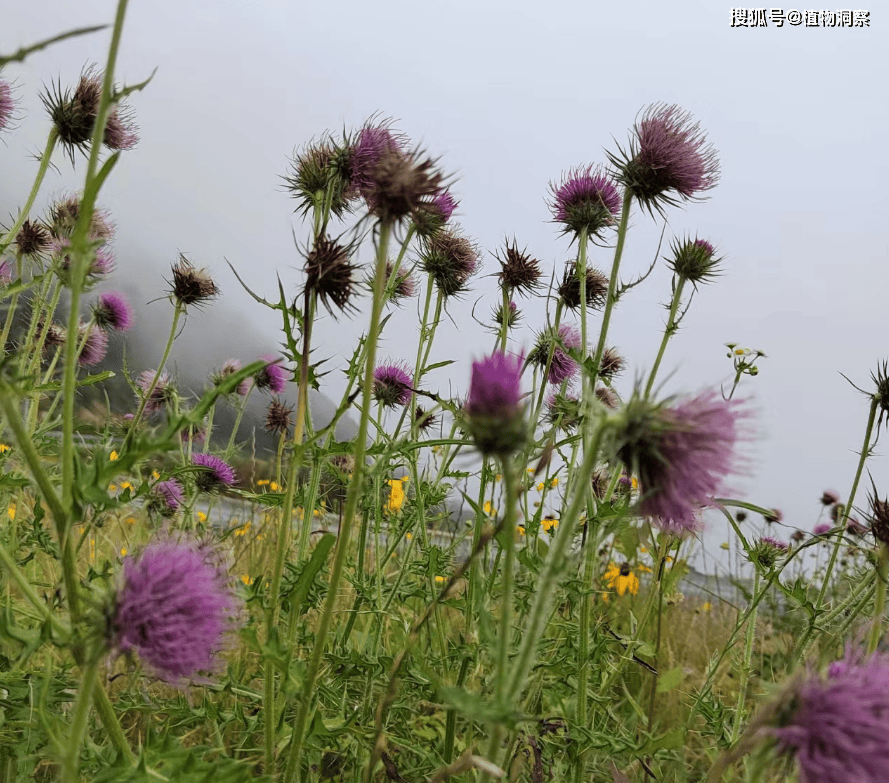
[161, 395]
[403, 287]
[33, 239]
[879, 517]
[564, 411]
[519, 272]
[822, 529]
[586, 199]
[272, 377]
[74, 113]
[611, 364]
[835, 725]
[494, 410]
[608, 397]
[7, 105]
[94, 345]
[319, 174]
[563, 366]
[101, 263]
[451, 259]
[596, 287]
[166, 497]
[113, 311]
[191, 286]
[64, 214]
[372, 143]
[214, 473]
[425, 420]
[402, 185]
[329, 274]
[175, 607]
[392, 385]
[7, 270]
[767, 551]
[432, 214]
[830, 497]
[512, 313]
[694, 260]
[681, 454]
[278, 418]
[230, 367]
[668, 160]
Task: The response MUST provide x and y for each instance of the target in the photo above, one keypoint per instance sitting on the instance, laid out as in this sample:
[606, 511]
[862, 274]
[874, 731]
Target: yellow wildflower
[621, 578]
[131, 520]
[11, 511]
[155, 475]
[489, 509]
[274, 486]
[247, 580]
[125, 485]
[202, 517]
[396, 495]
[554, 482]
[3, 448]
[498, 477]
[707, 606]
[113, 456]
[112, 487]
[520, 531]
[549, 523]
[262, 482]
[123, 551]
[408, 536]
[540, 486]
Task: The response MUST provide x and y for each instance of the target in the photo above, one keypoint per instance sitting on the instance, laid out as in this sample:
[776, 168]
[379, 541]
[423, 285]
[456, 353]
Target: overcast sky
[510, 95]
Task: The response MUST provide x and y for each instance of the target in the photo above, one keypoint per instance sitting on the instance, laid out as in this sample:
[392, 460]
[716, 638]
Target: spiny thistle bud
[797, 536]
[767, 551]
[519, 273]
[494, 412]
[319, 176]
[585, 200]
[431, 215]
[278, 419]
[881, 379]
[158, 397]
[552, 342]
[191, 286]
[563, 411]
[55, 335]
[694, 260]
[596, 287]
[329, 271]
[451, 259]
[668, 159]
[879, 521]
[392, 385]
[166, 498]
[74, 114]
[513, 316]
[401, 184]
[608, 397]
[33, 239]
[680, 453]
[113, 311]
[425, 420]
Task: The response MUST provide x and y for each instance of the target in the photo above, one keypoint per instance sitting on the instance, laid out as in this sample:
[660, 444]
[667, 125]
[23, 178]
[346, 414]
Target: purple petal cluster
[230, 367]
[372, 144]
[160, 395]
[168, 496]
[113, 311]
[175, 608]
[7, 105]
[494, 411]
[563, 366]
[392, 385]
[587, 198]
[273, 376]
[215, 473]
[7, 270]
[94, 347]
[822, 529]
[837, 726]
[682, 455]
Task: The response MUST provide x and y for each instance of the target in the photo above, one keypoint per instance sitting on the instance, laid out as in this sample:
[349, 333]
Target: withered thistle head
[881, 396]
[451, 259]
[329, 271]
[402, 183]
[278, 419]
[518, 271]
[74, 114]
[319, 175]
[33, 239]
[608, 397]
[191, 286]
[879, 522]
[596, 287]
[612, 364]
[425, 420]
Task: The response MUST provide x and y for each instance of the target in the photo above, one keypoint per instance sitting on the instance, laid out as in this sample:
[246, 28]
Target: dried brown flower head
[329, 271]
[518, 271]
[191, 286]
[596, 287]
[278, 419]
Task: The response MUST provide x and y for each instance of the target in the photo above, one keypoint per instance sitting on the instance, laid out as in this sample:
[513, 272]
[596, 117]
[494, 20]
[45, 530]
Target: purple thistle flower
[493, 409]
[64, 214]
[94, 346]
[562, 367]
[167, 497]
[273, 376]
[766, 551]
[215, 473]
[175, 608]
[586, 199]
[822, 529]
[836, 725]
[668, 154]
[830, 498]
[451, 259]
[230, 367]
[113, 311]
[431, 215]
[102, 263]
[393, 385]
[7, 105]
[680, 453]
[161, 394]
[120, 130]
[373, 143]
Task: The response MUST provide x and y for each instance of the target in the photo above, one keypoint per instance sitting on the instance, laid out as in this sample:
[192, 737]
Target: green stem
[876, 631]
[294, 758]
[9, 236]
[669, 331]
[112, 724]
[79, 721]
[744, 675]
